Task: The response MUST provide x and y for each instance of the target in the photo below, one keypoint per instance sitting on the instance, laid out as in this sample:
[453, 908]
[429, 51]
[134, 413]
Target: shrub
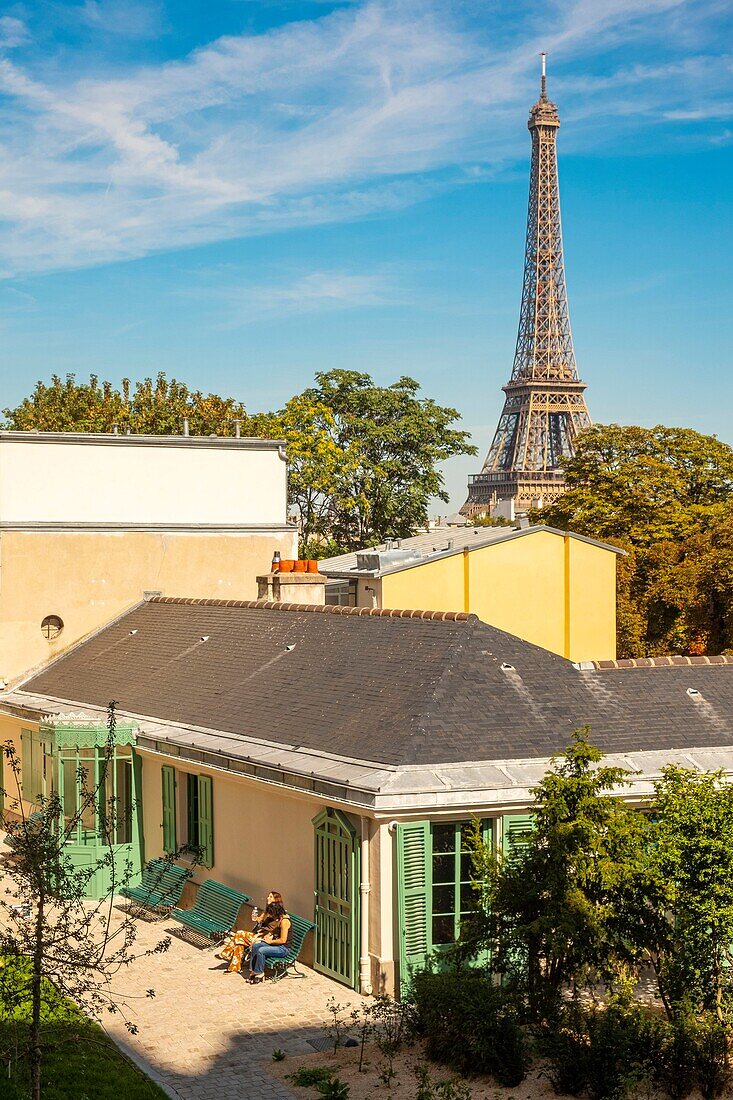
[564, 1044]
[311, 1076]
[712, 1064]
[677, 1073]
[472, 1025]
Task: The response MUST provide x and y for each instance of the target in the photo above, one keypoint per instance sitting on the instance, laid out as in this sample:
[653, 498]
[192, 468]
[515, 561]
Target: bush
[471, 1025]
[712, 1063]
[565, 1046]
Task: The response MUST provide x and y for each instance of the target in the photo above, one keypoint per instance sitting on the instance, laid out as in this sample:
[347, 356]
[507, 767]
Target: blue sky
[242, 192]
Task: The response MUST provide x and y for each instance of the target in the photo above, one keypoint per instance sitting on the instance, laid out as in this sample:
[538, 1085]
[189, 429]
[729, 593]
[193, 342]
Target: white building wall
[56, 478]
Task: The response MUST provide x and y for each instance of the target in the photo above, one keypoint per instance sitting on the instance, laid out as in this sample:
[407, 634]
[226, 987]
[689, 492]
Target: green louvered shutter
[516, 831]
[169, 809]
[206, 820]
[413, 896]
[26, 765]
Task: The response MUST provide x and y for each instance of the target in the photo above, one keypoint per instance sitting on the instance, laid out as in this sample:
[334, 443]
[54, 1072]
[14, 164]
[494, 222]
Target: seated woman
[274, 943]
[242, 941]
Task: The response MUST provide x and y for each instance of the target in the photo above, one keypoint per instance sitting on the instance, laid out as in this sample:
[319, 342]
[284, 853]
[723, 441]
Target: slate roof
[372, 686]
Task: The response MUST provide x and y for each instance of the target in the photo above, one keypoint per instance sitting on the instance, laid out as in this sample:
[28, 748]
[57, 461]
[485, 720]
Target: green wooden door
[336, 897]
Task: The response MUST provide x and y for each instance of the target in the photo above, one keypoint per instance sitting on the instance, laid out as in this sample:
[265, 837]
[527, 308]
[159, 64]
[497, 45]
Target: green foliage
[691, 859]
[146, 408]
[333, 1089]
[472, 1025]
[363, 458]
[278, 1055]
[666, 496]
[616, 1052]
[311, 1076]
[427, 1089]
[545, 913]
[80, 1060]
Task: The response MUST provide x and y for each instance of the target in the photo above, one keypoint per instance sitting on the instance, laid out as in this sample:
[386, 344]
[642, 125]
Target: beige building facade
[90, 524]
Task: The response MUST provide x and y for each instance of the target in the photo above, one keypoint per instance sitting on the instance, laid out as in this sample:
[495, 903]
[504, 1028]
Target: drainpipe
[365, 969]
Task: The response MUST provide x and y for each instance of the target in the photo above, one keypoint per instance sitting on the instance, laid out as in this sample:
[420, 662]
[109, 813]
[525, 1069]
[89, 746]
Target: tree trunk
[36, 989]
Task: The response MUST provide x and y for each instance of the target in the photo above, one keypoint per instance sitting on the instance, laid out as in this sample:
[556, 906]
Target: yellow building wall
[263, 840]
[10, 731]
[90, 577]
[549, 589]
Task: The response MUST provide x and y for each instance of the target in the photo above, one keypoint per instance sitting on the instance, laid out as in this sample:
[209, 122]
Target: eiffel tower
[544, 409]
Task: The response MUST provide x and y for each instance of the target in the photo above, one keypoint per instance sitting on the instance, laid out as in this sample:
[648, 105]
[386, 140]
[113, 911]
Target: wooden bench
[214, 911]
[161, 885]
[300, 927]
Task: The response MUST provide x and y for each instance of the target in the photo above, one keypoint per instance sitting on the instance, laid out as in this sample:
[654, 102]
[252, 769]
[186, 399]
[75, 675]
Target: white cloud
[13, 32]
[312, 292]
[365, 109]
[131, 18]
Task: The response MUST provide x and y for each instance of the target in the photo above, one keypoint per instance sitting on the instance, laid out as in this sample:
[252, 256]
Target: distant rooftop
[398, 554]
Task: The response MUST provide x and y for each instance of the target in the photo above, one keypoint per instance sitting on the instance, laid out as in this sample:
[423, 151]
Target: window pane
[444, 899]
[468, 896]
[444, 838]
[466, 834]
[467, 870]
[86, 794]
[444, 868]
[443, 930]
[69, 791]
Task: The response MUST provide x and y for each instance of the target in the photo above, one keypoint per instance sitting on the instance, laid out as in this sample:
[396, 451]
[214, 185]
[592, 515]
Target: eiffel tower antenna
[544, 408]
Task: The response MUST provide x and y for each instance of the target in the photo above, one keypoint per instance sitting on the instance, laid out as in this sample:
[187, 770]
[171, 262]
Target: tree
[546, 905]
[364, 458]
[665, 495]
[57, 945]
[682, 921]
[145, 408]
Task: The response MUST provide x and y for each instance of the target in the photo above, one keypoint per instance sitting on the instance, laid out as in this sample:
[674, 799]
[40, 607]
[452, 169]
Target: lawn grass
[79, 1061]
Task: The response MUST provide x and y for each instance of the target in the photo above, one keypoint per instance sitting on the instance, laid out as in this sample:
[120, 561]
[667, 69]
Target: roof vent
[693, 693]
[507, 667]
[290, 648]
[133, 632]
[204, 637]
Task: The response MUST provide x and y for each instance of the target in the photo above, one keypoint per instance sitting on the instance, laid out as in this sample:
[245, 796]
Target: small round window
[51, 627]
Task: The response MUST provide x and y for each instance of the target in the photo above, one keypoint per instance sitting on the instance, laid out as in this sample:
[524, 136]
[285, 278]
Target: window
[51, 627]
[97, 794]
[341, 593]
[452, 872]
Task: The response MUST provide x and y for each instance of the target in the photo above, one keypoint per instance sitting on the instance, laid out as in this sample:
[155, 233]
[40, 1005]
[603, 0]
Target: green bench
[300, 927]
[214, 911]
[17, 831]
[161, 885]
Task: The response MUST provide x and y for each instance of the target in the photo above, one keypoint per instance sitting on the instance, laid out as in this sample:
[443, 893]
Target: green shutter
[516, 833]
[413, 893]
[26, 762]
[2, 785]
[169, 809]
[206, 820]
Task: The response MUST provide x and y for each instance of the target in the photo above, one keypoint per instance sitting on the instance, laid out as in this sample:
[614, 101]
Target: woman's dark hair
[275, 910]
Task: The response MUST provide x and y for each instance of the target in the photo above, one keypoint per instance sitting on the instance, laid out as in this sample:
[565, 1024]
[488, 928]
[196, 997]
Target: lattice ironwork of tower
[544, 409]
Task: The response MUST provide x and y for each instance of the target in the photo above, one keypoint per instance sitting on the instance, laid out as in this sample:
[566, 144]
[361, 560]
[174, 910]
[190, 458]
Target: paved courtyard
[206, 1032]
